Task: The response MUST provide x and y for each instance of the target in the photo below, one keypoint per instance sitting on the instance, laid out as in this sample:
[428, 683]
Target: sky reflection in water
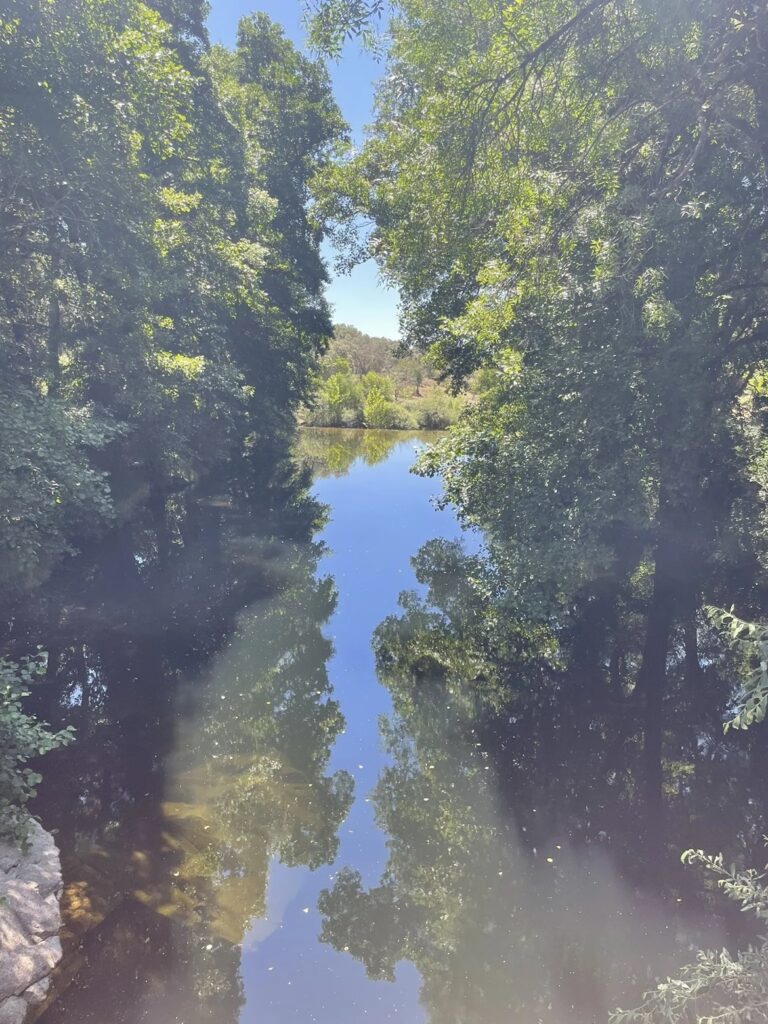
[380, 515]
[201, 820]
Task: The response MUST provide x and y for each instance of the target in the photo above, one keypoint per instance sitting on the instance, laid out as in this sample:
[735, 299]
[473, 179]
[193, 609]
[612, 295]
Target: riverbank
[30, 920]
[371, 383]
[372, 404]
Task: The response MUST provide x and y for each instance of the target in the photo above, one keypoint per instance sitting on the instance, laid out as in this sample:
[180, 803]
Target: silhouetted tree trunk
[652, 680]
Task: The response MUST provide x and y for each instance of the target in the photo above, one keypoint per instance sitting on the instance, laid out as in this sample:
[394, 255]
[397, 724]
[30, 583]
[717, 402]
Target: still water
[284, 807]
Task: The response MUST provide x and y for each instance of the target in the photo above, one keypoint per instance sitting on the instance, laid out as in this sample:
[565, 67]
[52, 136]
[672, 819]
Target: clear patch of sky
[359, 298]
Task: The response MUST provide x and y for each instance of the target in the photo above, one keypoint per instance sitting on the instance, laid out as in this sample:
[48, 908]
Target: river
[243, 786]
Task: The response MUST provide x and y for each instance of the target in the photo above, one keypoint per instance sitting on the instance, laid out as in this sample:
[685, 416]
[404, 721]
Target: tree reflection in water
[522, 880]
[197, 680]
[331, 451]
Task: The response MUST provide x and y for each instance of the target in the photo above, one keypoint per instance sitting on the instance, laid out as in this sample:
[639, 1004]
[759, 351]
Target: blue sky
[359, 298]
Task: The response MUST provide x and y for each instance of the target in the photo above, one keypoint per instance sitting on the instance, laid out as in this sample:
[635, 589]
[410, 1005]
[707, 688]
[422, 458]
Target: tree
[335, 21]
[22, 739]
[571, 196]
[161, 307]
[364, 353]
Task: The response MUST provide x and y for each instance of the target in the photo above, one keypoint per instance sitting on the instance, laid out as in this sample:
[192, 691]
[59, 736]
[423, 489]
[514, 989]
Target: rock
[23, 967]
[36, 993]
[41, 917]
[30, 920]
[9, 858]
[13, 1011]
[13, 937]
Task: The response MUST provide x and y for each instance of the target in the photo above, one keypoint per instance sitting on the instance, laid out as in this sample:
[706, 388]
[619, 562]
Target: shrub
[436, 410]
[717, 986]
[382, 414]
[22, 738]
[49, 492]
[376, 382]
[339, 403]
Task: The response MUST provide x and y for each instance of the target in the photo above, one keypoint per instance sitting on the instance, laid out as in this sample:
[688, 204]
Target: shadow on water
[521, 879]
[198, 686]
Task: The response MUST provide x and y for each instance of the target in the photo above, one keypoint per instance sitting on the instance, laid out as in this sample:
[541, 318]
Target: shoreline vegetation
[571, 196]
[375, 383]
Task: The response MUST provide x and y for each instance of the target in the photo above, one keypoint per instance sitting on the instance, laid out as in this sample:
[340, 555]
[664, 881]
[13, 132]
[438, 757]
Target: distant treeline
[373, 382]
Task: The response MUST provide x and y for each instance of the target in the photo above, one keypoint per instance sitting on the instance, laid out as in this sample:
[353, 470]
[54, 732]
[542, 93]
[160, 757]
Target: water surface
[199, 825]
[249, 779]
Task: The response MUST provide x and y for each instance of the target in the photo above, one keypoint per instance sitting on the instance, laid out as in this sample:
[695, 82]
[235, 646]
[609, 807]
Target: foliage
[366, 382]
[751, 640]
[50, 491]
[574, 223]
[437, 410]
[22, 739]
[362, 352]
[334, 21]
[380, 413]
[571, 199]
[338, 403]
[161, 288]
[717, 987]
[161, 306]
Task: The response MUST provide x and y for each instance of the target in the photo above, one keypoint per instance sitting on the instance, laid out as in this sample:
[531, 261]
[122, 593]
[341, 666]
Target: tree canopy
[162, 287]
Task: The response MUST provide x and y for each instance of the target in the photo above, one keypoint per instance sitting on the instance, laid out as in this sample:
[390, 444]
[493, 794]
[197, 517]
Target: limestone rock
[36, 993]
[30, 920]
[23, 967]
[41, 917]
[13, 1011]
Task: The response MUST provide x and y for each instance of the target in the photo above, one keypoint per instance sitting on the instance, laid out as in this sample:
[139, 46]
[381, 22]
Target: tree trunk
[652, 678]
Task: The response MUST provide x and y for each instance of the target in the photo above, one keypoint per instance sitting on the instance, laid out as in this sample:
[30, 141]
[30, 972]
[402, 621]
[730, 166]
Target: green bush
[49, 491]
[377, 383]
[382, 414]
[22, 738]
[437, 410]
[344, 400]
[339, 402]
[325, 415]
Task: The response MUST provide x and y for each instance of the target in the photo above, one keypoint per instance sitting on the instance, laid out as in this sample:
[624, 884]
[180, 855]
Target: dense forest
[570, 196]
[162, 287]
